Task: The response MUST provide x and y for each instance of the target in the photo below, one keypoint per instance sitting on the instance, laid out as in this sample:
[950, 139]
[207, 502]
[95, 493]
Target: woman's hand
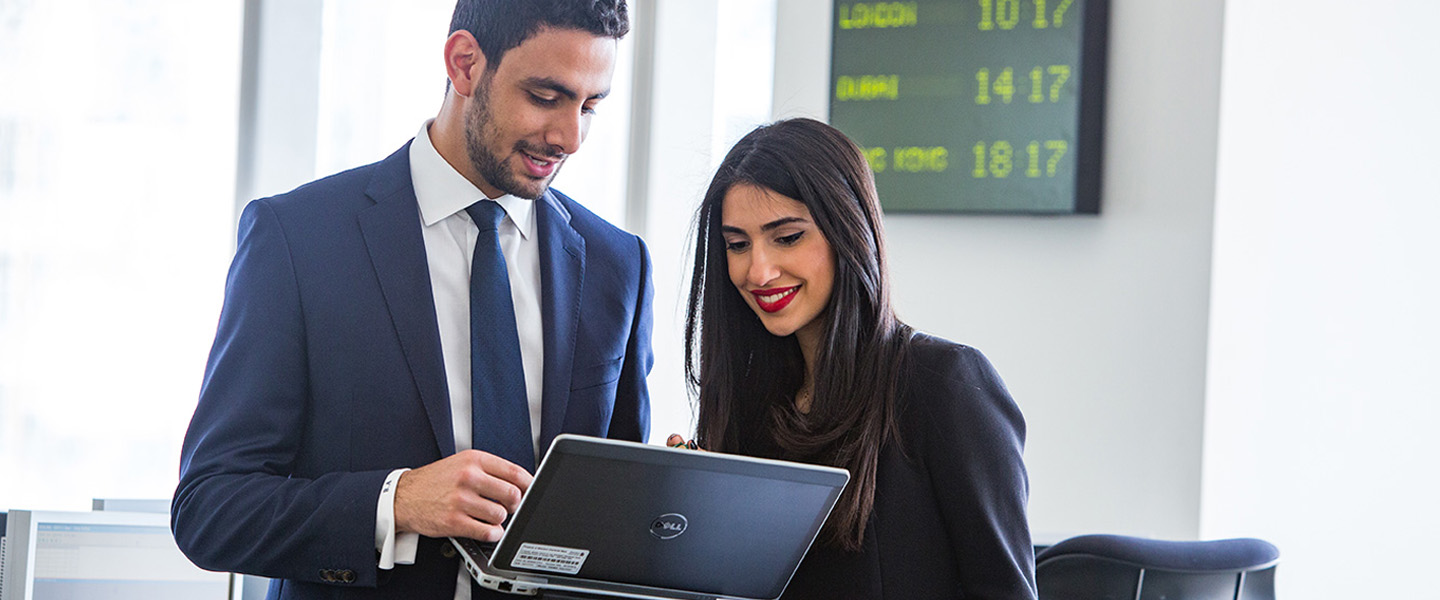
[678, 441]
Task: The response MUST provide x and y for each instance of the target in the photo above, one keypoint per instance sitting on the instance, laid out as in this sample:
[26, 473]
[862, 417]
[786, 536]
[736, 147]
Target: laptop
[622, 519]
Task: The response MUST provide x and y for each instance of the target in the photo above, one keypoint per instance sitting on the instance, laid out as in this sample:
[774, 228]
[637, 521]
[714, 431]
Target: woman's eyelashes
[789, 239]
[741, 245]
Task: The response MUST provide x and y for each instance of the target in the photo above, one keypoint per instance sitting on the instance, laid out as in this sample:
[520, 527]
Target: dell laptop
[621, 519]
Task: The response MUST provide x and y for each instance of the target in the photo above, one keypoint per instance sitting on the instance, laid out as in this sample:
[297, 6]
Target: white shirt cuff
[395, 549]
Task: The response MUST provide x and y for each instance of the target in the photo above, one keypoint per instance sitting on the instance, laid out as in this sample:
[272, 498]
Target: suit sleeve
[631, 419]
[973, 448]
[240, 506]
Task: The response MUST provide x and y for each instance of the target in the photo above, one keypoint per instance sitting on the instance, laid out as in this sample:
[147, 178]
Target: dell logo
[668, 526]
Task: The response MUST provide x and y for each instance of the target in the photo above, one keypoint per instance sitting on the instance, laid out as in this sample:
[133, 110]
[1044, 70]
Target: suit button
[327, 576]
[448, 550]
[347, 576]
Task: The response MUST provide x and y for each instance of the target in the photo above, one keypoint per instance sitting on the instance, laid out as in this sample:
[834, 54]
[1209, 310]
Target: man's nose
[567, 130]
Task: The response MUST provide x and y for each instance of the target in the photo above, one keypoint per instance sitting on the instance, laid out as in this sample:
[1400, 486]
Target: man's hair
[499, 25]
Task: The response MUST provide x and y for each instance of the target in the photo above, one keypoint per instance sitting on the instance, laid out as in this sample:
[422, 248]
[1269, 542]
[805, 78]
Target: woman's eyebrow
[766, 227]
[781, 222]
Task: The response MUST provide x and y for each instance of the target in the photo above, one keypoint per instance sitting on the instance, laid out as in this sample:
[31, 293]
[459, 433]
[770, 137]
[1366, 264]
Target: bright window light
[117, 181]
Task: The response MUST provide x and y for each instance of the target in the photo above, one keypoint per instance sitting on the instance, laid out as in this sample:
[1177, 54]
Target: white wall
[1322, 405]
[1097, 324]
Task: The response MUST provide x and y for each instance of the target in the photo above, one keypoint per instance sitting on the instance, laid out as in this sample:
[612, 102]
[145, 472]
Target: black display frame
[1089, 126]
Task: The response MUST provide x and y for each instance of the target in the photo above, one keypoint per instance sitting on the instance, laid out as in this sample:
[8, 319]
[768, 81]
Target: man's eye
[544, 101]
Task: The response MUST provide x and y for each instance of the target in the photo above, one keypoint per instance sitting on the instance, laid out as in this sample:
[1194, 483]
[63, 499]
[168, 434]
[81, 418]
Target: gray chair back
[1114, 567]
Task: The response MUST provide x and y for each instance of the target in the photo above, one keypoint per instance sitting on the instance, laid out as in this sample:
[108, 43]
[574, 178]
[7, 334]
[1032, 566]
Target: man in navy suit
[340, 435]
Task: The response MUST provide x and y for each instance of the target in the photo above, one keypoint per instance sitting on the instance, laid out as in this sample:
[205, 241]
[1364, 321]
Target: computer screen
[982, 106]
[114, 555]
[2, 555]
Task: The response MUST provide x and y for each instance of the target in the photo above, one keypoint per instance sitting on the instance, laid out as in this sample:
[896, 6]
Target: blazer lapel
[562, 278]
[397, 251]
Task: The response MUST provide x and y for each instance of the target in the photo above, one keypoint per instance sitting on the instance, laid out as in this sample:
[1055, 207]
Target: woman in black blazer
[794, 352]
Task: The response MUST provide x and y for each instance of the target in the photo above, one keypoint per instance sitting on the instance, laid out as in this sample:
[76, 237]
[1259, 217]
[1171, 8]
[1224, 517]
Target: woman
[795, 353]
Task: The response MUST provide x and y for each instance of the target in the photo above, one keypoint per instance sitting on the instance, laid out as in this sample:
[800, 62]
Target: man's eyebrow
[560, 88]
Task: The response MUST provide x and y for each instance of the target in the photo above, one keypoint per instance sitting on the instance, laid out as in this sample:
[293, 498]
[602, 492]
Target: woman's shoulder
[952, 384]
[933, 356]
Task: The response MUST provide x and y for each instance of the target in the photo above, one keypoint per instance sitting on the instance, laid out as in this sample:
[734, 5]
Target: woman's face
[779, 261]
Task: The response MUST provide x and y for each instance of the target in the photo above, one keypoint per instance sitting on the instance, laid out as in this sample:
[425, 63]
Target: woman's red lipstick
[773, 299]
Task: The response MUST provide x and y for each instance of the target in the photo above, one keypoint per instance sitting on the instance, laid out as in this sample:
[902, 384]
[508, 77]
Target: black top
[949, 518]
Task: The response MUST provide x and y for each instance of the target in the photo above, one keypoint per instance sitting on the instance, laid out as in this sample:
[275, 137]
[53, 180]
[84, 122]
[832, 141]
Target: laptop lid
[626, 519]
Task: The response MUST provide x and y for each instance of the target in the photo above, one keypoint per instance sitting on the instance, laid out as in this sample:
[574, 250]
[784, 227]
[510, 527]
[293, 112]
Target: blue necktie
[500, 414]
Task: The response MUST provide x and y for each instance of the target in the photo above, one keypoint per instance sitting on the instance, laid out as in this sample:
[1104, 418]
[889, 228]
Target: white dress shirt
[449, 234]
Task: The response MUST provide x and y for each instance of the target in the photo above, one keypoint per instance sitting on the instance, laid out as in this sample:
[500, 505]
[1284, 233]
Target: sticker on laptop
[555, 559]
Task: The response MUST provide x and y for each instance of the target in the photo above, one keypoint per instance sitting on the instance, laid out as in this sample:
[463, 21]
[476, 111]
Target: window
[744, 71]
[117, 177]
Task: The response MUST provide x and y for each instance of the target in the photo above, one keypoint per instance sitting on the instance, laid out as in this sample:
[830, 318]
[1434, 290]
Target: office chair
[1116, 567]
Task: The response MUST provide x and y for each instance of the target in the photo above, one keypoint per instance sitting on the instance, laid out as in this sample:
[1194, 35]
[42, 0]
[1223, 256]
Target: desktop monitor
[51, 555]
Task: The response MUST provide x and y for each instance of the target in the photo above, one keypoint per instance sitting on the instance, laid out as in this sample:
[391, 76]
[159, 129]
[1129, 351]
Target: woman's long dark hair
[745, 379]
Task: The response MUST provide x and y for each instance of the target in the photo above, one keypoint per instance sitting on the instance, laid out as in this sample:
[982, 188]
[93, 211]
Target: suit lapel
[562, 277]
[397, 251]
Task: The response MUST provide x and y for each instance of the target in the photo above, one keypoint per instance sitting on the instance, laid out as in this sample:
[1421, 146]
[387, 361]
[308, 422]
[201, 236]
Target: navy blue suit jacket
[326, 374]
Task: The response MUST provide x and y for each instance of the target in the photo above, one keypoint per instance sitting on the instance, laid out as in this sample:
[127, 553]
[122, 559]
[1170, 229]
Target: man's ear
[464, 62]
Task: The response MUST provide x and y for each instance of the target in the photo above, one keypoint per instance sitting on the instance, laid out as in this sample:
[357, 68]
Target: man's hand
[468, 494]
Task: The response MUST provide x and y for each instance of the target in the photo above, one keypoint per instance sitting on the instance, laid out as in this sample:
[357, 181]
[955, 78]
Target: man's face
[528, 115]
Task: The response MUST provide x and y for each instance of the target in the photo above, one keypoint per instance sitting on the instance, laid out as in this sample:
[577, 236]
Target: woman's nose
[763, 270]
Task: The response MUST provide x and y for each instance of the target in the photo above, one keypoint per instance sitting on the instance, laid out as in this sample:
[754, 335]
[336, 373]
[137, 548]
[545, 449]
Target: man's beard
[480, 128]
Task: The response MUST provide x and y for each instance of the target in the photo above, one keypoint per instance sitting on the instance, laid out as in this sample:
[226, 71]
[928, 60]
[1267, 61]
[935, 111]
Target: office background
[1241, 343]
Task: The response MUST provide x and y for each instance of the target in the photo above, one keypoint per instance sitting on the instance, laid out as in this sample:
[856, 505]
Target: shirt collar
[441, 191]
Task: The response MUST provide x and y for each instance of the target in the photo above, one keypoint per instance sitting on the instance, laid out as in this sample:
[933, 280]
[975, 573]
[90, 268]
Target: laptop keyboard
[476, 547]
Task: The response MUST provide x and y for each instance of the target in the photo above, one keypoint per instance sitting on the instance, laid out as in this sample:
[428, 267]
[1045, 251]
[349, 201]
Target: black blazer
[949, 518]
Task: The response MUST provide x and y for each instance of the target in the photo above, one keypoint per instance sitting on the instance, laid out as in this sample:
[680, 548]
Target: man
[359, 306]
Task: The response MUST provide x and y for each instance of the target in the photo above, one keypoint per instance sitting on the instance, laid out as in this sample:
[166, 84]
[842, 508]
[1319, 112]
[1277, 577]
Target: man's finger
[507, 471]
